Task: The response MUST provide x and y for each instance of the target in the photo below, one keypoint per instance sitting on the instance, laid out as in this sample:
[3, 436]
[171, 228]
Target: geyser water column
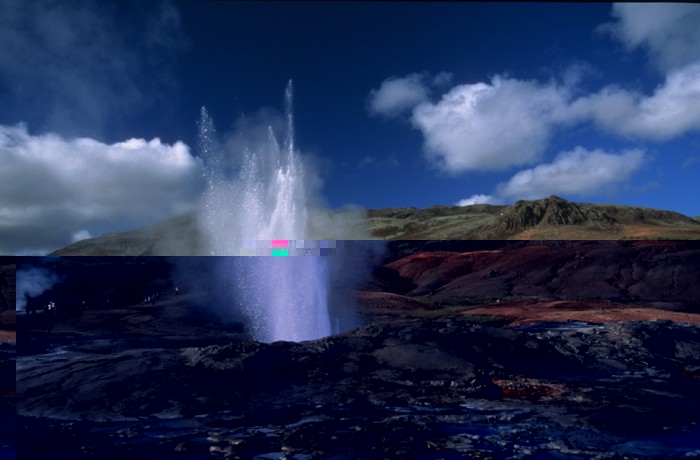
[261, 195]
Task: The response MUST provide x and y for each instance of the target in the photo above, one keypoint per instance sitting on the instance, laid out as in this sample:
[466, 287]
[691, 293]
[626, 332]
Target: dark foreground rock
[8, 411]
[447, 388]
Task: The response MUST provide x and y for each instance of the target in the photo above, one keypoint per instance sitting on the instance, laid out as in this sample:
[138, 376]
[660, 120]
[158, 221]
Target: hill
[551, 218]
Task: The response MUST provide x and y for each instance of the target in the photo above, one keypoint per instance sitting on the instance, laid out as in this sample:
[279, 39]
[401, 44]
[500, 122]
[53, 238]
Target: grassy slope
[547, 219]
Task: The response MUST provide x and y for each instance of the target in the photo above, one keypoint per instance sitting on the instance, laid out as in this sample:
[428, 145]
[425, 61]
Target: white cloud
[496, 125]
[488, 127]
[509, 122]
[579, 172]
[479, 199]
[54, 191]
[80, 235]
[397, 96]
[669, 32]
[670, 111]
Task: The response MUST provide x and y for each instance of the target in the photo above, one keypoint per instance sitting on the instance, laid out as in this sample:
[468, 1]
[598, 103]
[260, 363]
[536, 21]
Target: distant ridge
[556, 211]
[548, 218]
[551, 218]
[550, 211]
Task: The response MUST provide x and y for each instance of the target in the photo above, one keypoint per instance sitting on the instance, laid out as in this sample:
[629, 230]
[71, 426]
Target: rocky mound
[556, 211]
[550, 211]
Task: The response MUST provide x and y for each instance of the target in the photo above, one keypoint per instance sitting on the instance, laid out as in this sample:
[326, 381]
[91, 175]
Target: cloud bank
[490, 126]
[668, 32]
[579, 172]
[671, 111]
[54, 191]
[479, 199]
[508, 122]
[397, 96]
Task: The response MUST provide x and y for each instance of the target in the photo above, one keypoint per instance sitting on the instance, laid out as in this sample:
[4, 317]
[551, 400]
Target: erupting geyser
[261, 195]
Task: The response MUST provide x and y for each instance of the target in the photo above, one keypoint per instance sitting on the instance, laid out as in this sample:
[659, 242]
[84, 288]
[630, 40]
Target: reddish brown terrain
[528, 282]
[530, 312]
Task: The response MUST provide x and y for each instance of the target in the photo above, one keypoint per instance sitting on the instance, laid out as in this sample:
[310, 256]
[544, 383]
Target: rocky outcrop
[548, 211]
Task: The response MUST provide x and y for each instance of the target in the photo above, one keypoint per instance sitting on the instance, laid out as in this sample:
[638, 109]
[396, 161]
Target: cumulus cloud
[54, 191]
[491, 126]
[579, 172]
[396, 96]
[76, 67]
[479, 199]
[672, 109]
[509, 122]
[668, 32]
[506, 122]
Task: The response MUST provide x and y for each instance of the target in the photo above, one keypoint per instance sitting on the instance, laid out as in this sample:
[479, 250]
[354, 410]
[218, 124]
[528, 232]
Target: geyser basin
[294, 297]
[259, 189]
[284, 298]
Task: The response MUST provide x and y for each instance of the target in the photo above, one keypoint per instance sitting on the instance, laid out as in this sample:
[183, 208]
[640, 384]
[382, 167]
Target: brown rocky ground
[653, 274]
[532, 312]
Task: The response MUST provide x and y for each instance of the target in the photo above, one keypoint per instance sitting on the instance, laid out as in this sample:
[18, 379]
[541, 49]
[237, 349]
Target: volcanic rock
[654, 274]
[446, 388]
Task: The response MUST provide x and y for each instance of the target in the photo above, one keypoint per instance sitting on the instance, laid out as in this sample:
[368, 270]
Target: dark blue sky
[589, 101]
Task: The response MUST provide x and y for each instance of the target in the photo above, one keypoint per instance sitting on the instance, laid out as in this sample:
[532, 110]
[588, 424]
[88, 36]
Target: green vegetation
[550, 218]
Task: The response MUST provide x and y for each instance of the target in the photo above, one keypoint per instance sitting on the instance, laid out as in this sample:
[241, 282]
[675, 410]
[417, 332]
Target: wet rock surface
[444, 388]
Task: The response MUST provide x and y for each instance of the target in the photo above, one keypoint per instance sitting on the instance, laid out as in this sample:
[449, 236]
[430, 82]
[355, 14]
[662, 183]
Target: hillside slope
[551, 218]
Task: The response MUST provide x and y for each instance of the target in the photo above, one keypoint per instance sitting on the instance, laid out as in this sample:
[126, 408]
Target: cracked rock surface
[446, 388]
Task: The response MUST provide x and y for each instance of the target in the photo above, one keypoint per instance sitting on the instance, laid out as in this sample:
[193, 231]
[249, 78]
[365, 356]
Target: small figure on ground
[49, 315]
